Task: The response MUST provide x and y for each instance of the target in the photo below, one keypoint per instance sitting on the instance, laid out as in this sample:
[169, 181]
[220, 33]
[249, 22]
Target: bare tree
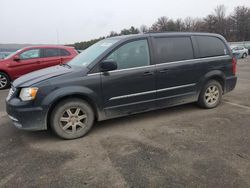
[220, 12]
[113, 34]
[179, 25]
[160, 25]
[220, 19]
[241, 22]
[209, 23]
[144, 29]
[188, 23]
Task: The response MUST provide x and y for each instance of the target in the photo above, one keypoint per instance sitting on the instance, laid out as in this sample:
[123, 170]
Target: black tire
[210, 95]
[71, 126]
[244, 55]
[4, 81]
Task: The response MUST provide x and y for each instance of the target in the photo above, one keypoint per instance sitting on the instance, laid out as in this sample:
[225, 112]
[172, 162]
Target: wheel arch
[52, 102]
[244, 53]
[5, 72]
[213, 75]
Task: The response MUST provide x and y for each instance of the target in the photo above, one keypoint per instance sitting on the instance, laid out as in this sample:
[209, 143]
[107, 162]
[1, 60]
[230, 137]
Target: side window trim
[188, 60]
[161, 64]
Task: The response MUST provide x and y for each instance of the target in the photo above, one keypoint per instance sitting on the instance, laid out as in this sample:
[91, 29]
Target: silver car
[239, 51]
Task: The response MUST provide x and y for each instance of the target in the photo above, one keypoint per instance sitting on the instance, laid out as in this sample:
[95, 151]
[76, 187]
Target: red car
[32, 58]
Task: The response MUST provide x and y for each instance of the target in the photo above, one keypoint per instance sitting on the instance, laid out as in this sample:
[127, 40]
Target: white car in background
[239, 51]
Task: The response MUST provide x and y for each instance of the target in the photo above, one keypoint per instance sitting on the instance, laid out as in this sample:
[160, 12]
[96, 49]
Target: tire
[4, 81]
[244, 55]
[72, 118]
[210, 95]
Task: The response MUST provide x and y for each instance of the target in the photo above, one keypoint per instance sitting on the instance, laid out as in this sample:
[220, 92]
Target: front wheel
[72, 118]
[211, 95]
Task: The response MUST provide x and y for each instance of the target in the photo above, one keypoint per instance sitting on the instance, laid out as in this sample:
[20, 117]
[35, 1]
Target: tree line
[234, 27]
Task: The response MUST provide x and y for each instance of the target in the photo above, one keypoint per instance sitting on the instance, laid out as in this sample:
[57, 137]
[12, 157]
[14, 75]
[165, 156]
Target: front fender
[84, 92]
[60, 93]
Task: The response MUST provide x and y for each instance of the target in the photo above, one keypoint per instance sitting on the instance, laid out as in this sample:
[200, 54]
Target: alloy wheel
[73, 120]
[3, 81]
[212, 95]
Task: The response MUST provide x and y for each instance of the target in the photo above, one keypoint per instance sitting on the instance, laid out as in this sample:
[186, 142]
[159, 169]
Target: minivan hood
[41, 75]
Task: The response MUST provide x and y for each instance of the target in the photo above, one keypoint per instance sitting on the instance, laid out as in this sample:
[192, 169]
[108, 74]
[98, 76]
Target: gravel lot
[184, 146]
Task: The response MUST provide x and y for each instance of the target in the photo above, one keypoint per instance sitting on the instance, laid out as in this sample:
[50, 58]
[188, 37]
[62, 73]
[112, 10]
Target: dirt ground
[184, 146]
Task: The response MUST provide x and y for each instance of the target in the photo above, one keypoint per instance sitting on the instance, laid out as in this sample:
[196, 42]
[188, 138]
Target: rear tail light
[234, 62]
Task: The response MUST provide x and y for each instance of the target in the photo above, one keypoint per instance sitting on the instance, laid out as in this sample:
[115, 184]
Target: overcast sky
[39, 21]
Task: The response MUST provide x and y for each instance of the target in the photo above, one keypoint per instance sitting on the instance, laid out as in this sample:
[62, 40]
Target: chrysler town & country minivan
[121, 76]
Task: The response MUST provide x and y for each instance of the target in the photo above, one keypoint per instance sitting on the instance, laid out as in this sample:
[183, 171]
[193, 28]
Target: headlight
[28, 94]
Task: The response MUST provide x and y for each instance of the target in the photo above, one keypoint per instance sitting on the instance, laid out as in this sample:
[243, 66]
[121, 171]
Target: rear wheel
[244, 55]
[4, 81]
[211, 95]
[72, 118]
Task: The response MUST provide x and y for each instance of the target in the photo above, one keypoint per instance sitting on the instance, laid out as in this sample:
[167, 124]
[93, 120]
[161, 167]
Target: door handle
[163, 70]
[38, 62]
[147, 73]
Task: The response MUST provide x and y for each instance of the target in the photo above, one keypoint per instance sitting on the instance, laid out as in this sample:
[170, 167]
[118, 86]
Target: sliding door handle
[163, 70]
[148, 73]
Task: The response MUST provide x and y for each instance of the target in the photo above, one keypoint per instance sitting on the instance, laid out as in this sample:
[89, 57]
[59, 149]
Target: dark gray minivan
[121, 76]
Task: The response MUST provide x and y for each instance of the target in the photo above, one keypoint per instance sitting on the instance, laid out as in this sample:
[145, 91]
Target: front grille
[11, 92]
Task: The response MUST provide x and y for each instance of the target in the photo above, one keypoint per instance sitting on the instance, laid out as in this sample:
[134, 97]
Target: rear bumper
[230, 84]
[25, 117]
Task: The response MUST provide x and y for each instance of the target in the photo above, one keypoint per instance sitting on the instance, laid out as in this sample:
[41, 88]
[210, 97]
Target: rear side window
[173, 49]
[211, 46]
[64, 52]
[51, 52]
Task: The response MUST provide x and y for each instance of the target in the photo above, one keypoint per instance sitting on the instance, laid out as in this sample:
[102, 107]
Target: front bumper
[25, 116]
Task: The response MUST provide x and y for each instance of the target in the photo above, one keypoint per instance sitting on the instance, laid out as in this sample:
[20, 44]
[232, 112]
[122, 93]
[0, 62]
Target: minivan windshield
[91, 53]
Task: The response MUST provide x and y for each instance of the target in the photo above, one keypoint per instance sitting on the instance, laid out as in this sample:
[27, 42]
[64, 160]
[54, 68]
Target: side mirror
[108, 65]
[16, 58]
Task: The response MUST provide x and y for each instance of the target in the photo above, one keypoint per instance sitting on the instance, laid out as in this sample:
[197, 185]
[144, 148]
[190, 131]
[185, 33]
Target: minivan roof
[160, 34]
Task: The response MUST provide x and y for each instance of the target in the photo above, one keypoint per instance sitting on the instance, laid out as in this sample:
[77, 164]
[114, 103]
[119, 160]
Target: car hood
[41, 75]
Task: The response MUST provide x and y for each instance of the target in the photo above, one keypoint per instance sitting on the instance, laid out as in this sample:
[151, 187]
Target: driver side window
[30, 54]
[132, 54]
